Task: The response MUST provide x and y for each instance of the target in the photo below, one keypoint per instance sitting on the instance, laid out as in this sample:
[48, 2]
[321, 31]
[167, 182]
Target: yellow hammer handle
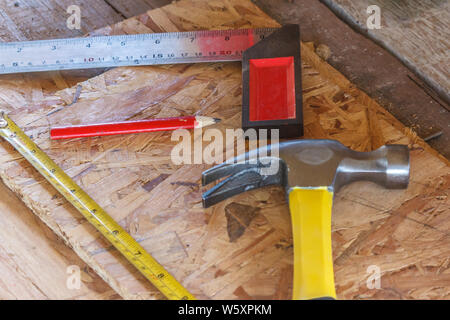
[313, 261]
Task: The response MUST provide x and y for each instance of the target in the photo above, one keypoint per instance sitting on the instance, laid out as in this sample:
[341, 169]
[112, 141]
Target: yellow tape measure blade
[98, 217]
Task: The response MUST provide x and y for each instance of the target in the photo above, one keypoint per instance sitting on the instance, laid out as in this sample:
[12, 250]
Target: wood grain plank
[34, 262]
[136, 7]
[415, 31]
[46, 19]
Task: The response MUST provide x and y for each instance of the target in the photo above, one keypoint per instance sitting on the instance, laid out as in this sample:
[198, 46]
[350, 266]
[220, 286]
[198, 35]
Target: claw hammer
[311, 171]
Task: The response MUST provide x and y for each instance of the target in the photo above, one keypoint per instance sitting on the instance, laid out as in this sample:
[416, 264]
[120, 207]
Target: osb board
[241, 248]
[416, 31]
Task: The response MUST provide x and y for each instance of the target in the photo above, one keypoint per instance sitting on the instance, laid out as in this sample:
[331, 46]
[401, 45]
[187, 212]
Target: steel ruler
[98, 217]
[128, 50]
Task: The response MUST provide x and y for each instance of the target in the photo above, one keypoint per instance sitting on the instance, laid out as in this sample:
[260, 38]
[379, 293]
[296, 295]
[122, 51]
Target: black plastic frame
[284, 42]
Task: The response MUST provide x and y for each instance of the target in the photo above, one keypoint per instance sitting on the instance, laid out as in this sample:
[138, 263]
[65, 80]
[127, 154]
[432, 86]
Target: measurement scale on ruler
[128, 50]
[114, 51]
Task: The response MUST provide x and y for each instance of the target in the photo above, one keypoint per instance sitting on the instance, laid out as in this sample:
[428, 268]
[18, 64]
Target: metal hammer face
[310, 171]
[328, 163]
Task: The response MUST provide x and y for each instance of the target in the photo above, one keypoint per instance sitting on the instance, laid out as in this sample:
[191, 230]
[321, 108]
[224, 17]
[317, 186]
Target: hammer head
[307, 164]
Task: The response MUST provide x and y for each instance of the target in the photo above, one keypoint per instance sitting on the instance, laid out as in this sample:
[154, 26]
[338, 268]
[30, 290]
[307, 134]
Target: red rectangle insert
[272, 89]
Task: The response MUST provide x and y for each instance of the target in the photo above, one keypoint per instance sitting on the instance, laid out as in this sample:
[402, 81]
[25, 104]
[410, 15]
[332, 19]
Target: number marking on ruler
[128, 50]
[106, 225]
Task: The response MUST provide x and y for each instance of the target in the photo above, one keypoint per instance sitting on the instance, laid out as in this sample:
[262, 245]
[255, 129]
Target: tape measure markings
[128, 50]
[112, 231]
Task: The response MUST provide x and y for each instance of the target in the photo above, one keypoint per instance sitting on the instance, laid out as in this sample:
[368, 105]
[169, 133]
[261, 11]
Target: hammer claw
[223, 170]
[241, 177]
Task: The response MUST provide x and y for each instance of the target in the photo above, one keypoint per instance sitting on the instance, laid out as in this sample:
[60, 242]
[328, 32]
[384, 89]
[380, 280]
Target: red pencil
[108, 129]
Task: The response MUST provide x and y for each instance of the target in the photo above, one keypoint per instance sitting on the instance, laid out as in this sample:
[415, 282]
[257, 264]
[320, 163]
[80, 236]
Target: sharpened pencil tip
[203, 121]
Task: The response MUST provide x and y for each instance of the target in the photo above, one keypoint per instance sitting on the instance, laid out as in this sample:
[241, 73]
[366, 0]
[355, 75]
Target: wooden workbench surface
[404, 233]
